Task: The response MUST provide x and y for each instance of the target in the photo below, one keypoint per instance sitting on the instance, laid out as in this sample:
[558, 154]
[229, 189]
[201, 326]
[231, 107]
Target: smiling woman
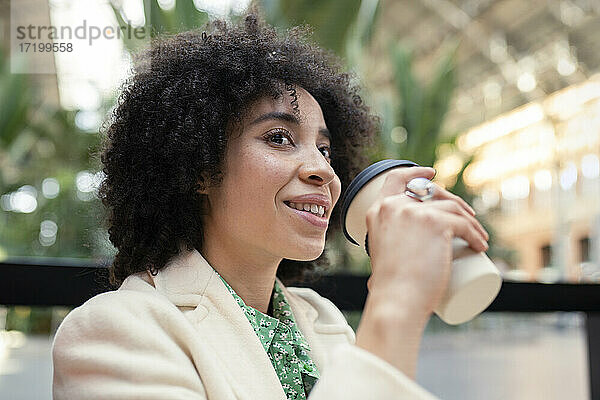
[224, 160]
[192, 94]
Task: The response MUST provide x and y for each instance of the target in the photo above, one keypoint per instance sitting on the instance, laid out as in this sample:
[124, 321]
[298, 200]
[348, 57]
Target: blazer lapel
[189, 281]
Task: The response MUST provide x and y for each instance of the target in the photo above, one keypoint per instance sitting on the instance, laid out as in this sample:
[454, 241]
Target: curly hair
[169, 131]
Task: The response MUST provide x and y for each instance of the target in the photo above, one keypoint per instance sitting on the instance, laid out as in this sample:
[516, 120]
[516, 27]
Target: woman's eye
[279, 138]
[326, 152]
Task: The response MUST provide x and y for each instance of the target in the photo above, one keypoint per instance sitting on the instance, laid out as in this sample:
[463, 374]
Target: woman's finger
[464, 229]
[454, 207]
[441, 194]
[460, 200]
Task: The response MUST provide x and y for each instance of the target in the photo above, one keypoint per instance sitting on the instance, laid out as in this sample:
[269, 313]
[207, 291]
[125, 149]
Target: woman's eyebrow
[325, 132]
[277, 115]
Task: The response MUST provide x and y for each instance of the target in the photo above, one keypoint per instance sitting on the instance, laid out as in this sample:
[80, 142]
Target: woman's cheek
[336, 190]
[273, 166]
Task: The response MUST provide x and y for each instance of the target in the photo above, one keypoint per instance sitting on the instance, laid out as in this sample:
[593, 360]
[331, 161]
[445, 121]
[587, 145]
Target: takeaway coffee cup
[474, 281]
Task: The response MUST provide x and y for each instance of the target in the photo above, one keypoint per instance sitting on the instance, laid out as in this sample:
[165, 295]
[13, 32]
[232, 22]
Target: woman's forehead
[298, 103]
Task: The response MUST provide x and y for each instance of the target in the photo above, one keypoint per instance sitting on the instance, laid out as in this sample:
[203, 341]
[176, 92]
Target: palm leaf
[184, 16]
[436, 101]
[410, 97]
[188, 16]
[331, 20]
[15, 97]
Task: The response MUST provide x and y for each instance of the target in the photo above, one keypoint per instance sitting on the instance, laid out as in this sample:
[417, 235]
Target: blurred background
[502, 97]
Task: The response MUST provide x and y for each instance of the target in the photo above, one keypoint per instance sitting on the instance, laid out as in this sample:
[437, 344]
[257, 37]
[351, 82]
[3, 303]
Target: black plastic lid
[361, 180]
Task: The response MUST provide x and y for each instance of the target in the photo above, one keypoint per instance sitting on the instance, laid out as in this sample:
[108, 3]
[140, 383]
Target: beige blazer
[181, 335]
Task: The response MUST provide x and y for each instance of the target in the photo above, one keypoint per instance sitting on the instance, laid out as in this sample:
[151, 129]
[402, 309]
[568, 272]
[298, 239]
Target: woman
[224, 160]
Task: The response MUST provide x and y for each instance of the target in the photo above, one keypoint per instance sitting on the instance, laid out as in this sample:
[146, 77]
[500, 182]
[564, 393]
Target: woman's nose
[315, 169]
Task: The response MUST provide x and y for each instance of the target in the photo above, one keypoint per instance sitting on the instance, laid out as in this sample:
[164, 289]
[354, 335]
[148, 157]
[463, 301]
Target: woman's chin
[307, 253]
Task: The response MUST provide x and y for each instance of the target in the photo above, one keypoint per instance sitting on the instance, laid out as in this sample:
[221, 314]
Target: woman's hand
[410, 242]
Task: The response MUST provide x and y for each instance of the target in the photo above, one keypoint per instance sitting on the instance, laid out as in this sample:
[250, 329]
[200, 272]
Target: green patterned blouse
[286, 347]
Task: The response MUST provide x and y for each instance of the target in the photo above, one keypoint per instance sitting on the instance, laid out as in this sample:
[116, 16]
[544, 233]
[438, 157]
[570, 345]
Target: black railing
[70, 282]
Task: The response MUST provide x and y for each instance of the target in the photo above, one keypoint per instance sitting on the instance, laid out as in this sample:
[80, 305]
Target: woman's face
[277, 162]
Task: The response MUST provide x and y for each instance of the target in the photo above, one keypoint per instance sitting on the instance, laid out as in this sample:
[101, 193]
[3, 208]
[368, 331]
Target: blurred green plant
[413, 124]
[413, 128]
[331, 21]
[422, 107]
[158, 20]
[344, 27]
[39, 141]
[31, 320]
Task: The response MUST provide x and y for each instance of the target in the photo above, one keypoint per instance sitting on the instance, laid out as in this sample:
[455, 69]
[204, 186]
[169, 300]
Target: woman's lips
[321, 222]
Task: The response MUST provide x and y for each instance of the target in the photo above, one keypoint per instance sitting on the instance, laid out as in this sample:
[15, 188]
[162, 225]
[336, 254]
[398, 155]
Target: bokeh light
[50, 188]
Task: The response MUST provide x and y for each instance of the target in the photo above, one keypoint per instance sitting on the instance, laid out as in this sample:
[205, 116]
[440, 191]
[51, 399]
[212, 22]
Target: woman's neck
[250, 275]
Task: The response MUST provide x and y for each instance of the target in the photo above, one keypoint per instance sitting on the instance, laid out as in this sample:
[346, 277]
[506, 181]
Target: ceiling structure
[511, 52]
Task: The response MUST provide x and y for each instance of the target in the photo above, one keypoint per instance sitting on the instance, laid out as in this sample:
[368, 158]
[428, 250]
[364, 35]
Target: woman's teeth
[311, 208]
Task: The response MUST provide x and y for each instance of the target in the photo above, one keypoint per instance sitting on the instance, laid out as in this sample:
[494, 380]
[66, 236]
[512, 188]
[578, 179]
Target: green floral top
[286, 347]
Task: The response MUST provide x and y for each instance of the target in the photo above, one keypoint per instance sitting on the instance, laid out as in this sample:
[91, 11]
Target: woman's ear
[202, 184]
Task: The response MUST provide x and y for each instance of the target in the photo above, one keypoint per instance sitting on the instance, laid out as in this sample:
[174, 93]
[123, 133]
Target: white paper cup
[474, 281]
